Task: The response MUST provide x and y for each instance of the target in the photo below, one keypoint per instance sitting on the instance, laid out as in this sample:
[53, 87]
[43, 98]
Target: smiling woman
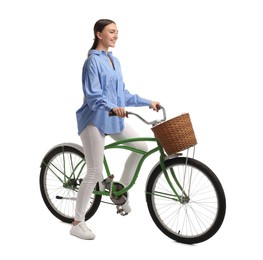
[104, 92]
[105, 33]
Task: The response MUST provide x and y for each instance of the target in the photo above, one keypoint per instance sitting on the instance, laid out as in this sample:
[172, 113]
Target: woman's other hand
[155, 105]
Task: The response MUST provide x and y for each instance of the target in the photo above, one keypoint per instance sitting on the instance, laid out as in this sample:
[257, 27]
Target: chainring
[119, 200]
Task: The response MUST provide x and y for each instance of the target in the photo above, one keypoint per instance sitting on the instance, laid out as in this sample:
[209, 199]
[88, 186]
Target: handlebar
[153, 123]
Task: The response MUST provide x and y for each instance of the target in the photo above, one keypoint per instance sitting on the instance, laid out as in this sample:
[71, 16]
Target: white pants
[93, 142]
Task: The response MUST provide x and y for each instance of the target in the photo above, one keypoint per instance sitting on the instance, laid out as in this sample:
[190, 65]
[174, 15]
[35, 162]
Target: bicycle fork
[183, 197]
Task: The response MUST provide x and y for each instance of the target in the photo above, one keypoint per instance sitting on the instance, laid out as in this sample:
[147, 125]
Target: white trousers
[93, 142]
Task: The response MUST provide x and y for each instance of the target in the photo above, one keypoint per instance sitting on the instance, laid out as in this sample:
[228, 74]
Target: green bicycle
[185, 198]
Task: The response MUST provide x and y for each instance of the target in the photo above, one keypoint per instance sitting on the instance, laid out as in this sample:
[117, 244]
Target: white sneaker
[126, 207]
[82, 231]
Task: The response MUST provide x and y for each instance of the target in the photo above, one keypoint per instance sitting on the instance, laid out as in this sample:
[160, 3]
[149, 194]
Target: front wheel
[187, 201]
[62, 171]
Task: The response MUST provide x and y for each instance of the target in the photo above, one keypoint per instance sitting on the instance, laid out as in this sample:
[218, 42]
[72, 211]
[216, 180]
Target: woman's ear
[99, 35]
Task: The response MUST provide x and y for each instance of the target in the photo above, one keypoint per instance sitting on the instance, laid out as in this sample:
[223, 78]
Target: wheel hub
[184, 199]
[72, 184]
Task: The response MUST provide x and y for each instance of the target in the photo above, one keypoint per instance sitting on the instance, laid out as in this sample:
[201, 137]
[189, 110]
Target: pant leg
[93, 144]
[134, 158]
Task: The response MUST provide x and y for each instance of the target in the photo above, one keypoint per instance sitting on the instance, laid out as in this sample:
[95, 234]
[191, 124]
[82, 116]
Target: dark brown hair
[98, 27]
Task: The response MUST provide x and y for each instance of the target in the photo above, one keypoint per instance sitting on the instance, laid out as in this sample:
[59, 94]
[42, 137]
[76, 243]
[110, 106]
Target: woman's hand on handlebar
[155, 105]
[120, 111]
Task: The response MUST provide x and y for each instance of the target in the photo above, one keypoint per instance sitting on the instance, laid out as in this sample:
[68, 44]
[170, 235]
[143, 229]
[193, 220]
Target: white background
[201, 57]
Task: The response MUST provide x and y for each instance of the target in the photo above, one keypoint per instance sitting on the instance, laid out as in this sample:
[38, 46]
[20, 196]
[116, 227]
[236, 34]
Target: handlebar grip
[159, 107]
[112, 113]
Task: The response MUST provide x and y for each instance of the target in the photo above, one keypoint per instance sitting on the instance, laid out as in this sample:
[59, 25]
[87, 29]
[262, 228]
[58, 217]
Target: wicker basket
[176, 134]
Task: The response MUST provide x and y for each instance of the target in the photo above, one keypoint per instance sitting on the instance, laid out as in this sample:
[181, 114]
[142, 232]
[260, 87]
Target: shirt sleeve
[93, 91]
[135, 100]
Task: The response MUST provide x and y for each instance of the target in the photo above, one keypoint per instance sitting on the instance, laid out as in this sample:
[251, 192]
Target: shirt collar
[99, 52]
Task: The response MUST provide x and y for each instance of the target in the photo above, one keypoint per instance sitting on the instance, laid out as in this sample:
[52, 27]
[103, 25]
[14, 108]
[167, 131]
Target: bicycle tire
[197, 216]
[62, 171]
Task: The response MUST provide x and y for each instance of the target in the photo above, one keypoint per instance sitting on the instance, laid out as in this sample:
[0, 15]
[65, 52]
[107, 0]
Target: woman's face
[108, 36]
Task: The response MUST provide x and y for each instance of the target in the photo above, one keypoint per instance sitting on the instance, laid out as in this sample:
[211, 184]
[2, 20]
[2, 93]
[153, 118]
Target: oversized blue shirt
[104, 89]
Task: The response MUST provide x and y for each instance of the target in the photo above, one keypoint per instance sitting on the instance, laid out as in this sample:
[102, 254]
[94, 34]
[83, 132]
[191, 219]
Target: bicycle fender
[74, 145]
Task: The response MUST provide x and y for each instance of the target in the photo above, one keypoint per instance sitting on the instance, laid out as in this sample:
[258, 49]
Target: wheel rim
[62, 177]
[191, 215]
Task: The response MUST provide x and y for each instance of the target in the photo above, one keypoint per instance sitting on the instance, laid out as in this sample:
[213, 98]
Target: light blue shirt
[104, 89]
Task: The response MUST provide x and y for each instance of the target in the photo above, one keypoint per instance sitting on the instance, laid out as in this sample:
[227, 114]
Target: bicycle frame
[157, 148]
[122, 145]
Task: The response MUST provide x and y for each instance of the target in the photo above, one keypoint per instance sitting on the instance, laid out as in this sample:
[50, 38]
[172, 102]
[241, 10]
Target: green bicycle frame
[123, 145]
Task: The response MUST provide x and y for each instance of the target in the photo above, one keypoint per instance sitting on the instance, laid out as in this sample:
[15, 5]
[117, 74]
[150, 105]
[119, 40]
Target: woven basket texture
[176, 134]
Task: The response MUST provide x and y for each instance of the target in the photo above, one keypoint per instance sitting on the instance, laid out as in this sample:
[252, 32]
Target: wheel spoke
[191, 217]
[60, 178]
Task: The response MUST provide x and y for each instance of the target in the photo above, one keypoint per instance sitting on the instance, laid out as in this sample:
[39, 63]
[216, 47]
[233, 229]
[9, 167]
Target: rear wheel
[61, 173]
[198, 211]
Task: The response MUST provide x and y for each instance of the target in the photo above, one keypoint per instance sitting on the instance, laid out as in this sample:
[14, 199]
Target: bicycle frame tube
[122, 144]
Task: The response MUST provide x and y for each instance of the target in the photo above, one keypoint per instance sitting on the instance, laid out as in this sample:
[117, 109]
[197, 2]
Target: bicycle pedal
[121, 211]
